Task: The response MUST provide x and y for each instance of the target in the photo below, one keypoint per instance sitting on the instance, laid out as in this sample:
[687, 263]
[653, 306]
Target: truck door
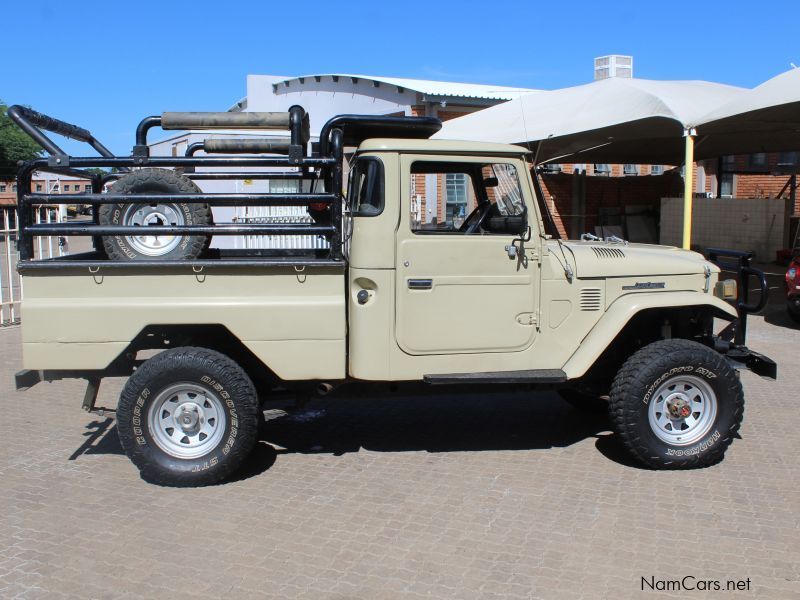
[459, 289]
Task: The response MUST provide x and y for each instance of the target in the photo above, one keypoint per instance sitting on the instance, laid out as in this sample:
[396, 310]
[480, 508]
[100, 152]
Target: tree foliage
[15, 144]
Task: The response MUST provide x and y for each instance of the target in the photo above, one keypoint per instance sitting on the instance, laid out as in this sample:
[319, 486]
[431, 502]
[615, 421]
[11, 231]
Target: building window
[726, 185]
[602, 169]
[66, 187]
[656, 169]
[787, 159]
[630, 169]
[757, 161]
[455, 196]
[551, 168]
[2, 188]
[38, 187]
[14, 188]
[88, 187]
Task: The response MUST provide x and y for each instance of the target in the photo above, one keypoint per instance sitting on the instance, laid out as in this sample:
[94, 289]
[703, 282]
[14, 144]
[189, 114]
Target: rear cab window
[365, 195]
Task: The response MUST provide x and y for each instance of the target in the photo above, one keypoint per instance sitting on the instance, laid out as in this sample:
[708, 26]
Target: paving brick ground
[491, 496]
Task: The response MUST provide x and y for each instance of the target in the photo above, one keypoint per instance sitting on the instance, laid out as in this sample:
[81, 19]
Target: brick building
[45, 183]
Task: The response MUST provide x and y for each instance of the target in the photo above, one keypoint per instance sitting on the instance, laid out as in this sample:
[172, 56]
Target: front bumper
[741, 357]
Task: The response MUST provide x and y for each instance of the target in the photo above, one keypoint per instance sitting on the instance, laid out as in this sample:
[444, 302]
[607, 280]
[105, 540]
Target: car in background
[793, 289]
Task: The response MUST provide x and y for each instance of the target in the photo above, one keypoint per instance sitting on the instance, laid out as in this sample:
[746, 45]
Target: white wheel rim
[145, 215]
[186, 420]
[682, 410]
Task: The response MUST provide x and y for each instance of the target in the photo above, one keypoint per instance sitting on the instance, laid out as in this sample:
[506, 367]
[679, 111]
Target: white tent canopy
[763, 119]
[612, 120]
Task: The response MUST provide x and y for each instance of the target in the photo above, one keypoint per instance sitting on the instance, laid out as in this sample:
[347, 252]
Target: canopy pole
[688, 187]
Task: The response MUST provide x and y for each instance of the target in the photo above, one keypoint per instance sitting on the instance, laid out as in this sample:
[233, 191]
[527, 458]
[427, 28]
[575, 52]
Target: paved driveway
[490, 496]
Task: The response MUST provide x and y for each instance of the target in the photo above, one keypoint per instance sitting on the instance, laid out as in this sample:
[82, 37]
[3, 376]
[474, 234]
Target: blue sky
[105, 65]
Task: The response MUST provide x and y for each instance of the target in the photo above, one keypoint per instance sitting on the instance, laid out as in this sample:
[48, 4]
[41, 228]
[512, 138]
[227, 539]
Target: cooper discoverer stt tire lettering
[676, 404]
[188, 417]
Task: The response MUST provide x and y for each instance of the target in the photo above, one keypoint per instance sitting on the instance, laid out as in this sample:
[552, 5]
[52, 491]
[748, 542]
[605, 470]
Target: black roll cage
[323, 169]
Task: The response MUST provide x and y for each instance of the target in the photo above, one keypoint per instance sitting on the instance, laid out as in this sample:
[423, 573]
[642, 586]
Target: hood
[603, 259]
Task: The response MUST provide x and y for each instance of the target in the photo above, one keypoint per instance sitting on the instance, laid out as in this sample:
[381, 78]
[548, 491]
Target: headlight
[726, 289]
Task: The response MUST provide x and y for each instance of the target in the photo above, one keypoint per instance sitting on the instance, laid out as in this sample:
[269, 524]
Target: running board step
[532, 376]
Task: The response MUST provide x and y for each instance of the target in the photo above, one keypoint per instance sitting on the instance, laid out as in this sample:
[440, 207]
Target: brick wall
[605, 192]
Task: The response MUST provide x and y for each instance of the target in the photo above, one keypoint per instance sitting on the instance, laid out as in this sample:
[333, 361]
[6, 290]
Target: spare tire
[153, 247]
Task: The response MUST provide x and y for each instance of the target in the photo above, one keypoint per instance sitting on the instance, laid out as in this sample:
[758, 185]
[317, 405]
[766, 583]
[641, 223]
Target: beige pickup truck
[437, 265]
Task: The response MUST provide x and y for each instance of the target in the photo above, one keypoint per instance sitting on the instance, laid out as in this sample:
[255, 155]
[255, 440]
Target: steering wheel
[473, 222]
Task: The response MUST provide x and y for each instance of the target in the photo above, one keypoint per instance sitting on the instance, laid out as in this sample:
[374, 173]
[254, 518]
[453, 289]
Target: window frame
[443, 166]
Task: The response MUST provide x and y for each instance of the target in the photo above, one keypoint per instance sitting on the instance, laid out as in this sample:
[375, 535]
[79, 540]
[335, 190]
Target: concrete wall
[757, 224]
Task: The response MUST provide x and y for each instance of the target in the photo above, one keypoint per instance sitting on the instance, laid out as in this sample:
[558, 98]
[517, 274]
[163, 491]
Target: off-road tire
[218, 375]
[585, 402]
[650, 369]
[156, 181]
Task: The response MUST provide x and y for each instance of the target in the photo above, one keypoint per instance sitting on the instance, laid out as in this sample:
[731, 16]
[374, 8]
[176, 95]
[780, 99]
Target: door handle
[420, 284]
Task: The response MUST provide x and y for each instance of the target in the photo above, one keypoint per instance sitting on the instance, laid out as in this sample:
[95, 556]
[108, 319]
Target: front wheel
[188, 417]
[676, 404]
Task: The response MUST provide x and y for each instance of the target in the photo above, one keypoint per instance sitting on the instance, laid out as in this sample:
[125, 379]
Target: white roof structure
[611, 120]
[422, 86]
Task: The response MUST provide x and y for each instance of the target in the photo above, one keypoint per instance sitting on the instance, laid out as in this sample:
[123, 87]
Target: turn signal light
[726, 289]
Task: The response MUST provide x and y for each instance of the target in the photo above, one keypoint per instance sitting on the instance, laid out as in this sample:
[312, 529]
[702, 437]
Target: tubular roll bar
[32, 122]
[327, 165]
[741, 266]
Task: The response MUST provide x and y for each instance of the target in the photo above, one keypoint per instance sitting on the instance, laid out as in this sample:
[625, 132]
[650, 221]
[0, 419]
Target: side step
[531, 376]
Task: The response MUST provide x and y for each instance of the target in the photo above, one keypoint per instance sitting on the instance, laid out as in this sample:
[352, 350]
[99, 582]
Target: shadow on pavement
[101, 438]
[432, 423]
[436, 423]
[776, 314]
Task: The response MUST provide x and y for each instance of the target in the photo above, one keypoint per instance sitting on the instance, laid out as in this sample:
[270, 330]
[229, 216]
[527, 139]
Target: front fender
[623, 309]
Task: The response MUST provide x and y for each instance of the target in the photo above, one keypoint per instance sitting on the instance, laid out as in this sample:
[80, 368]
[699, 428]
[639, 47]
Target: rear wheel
[155, 247]
[188, 417]
[676, 404]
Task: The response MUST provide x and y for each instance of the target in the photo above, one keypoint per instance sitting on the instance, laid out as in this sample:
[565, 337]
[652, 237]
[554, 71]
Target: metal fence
[11, 290]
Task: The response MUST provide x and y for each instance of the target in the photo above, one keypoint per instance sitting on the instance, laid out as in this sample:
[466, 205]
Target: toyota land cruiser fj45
[399, 286]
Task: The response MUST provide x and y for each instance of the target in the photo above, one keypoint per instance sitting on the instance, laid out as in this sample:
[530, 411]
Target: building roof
[422, 86]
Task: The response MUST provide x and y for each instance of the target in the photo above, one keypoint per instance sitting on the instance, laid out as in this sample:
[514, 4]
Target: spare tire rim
[144, 215]
[683, 410]
[186, 420]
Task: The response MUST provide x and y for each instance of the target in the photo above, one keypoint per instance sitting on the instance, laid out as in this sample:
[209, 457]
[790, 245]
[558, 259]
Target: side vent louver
[603, 252]
[591, 299]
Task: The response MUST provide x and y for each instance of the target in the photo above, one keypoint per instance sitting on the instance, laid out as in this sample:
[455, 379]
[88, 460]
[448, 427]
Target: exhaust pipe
[323, 389]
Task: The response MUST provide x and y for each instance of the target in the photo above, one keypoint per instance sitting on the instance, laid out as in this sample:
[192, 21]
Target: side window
[365, 194]
[461, 198]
